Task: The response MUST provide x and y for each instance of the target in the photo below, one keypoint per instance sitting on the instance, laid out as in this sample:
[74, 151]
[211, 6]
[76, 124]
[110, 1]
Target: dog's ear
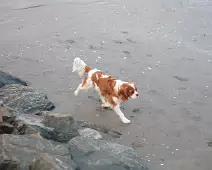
[110, 85]
[134, 85]
[123, 92]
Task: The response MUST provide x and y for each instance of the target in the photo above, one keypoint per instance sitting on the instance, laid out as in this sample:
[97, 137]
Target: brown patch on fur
[105, 85]
[111, 101]
[125, 92]
[136, 89]
[87, 69]
[84, 81]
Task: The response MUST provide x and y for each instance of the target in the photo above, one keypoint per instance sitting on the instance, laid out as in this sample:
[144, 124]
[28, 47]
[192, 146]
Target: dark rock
[57, 127]
[197, 118]
[118, 41]
[126, 53]
[99, 128]
[23, 99]
[92, 154]
[92, 47]
[94, 98]
[131, 40]
[47, 162]
[64, 127]
[153, 91]
[21, 128]
[181, 78]
[13, 125]
[1, 113]
[149, 55]
[4, 114]
[188, 58]
[136, 110]
[6, 78]
[137, 144]
[70, 41]
[18, 152]
[6, 128]
[29, 7]
[90, 133]
[31, 125]
[124, 32]
[209, 144]
[95, 47]
[65, 124]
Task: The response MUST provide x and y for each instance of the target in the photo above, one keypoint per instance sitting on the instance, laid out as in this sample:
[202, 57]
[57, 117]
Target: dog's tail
[80, 67]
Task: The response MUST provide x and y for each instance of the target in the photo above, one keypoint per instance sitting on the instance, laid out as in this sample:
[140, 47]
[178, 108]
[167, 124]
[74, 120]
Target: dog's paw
[76, 93]
[105, 105]
[125, 120]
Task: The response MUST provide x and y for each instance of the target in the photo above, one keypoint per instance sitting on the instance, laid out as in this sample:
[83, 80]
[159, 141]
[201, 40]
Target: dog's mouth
[134, 96]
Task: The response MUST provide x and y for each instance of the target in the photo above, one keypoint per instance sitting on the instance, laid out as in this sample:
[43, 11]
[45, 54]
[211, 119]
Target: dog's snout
[137, 95]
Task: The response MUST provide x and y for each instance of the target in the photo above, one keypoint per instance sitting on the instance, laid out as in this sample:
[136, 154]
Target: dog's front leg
[85, 85]
[121, 114]
[76, 92]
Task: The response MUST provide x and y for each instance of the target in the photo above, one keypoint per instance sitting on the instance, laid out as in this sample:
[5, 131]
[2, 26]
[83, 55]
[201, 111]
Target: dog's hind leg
[105, 103]
[85, 85]
[102, 98]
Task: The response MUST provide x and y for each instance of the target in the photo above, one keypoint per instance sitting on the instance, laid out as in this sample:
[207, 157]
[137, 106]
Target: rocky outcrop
[48, 162]
[58, 127]
[6, 78]
[23, 99]
[90, 133]
[18, 152]
[32, 138]
[97, 154]
[62, 125]
[6, 128]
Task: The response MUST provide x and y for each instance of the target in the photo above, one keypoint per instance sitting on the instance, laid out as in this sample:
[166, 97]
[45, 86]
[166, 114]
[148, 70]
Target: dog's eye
[131, 91]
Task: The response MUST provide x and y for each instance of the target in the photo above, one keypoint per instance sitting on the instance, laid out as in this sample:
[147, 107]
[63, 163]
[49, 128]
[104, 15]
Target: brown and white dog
[111, 91]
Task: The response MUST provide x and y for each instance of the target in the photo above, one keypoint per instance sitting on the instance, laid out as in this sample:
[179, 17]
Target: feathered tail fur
[80, 67]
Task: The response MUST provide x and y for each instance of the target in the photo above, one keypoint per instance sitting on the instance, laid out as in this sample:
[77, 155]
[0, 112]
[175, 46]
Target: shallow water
[164, 46]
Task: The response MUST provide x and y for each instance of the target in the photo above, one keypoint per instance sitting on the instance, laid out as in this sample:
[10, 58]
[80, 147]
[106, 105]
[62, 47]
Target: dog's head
[128, 90]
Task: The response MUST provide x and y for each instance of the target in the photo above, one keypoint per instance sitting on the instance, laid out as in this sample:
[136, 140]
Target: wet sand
[164, 46]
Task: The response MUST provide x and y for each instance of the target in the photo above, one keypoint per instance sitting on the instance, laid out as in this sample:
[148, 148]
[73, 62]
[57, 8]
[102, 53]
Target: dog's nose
[137, 95]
